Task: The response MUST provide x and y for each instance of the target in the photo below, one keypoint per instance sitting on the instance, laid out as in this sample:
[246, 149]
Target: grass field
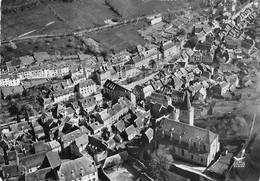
[135, 8]
[79, 14]
[121, 37]
[83, 14]
[15, 24]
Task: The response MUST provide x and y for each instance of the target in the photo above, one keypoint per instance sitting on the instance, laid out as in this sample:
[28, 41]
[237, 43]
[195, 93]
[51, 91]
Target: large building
[115, 91]
[186, 141]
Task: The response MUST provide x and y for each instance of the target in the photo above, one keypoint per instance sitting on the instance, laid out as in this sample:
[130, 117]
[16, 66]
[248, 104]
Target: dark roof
[113, 86]
[34, 160]
[12, 171]
[188, 131]
[40, 146]
[97, 143]
[39, 175]
[186, 105]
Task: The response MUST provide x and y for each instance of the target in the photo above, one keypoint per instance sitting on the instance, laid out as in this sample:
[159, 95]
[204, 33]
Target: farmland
[15, 24]
[121, 37]
[65, 17]
[136, 8]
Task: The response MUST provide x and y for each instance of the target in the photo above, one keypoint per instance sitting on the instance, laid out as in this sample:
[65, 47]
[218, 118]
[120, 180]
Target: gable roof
[186, 130]
[77, 168]
[39, 175]
[120, 125]
[82, 140]
[33, 160]
[130, 130]
[149, 133]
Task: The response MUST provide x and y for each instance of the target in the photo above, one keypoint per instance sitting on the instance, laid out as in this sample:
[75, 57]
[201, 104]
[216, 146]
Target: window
[204, 147]
[201, 160]
[182, 152]
[192, 157]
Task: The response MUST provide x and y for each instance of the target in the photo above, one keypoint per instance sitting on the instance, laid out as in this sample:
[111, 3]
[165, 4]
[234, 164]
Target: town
[171, 109]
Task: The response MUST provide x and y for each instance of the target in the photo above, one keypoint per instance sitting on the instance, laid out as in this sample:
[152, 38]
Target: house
[119, 126]
[97, 149]
[55, 146]
[82, 168]
[95, 127]
[13, 172]
[142, 91]
[115, 91]
[52, 160]
[87, 87]
[9, 91]
[39, 175]
[129, 133]
[188, 142]
[41, 146]
[152, 20]
[196, 57]
[160, 98]
[9, 80]
[32, 162]
[88, 103]
[148, 135]
[109, 116]
[62, 95]
[81, 142]
[170, 49]
[67, 139]
[220, 89]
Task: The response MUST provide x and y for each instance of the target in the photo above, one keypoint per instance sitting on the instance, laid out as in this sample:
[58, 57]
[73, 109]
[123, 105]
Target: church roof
[186, 105]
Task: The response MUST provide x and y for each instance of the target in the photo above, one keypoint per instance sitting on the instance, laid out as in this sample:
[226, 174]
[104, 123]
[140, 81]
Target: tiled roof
[53, 159]
[86, 83]
[39, 175]
[187, 131]
[33, 160]
[130, 129]
[77, 168]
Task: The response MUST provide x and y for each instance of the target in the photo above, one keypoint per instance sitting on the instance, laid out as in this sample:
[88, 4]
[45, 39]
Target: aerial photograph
[130, 90]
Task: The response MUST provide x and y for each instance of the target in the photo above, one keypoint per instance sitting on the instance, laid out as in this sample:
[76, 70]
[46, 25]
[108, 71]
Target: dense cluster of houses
[71, 138]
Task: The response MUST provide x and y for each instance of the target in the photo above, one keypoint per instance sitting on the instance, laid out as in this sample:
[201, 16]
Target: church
[186, 141]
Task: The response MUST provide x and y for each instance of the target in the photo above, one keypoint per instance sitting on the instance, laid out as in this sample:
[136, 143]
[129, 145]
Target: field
[120, 38]
[65, 16]
[135, 8]
[83, 14]
[15, 24]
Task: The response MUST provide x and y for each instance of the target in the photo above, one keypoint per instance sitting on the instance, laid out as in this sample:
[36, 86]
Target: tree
[152, 64]
[182, 32]
[105, 133]
[14, 109]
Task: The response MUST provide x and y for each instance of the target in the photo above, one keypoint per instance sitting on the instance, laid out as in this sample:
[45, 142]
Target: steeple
[186, 105]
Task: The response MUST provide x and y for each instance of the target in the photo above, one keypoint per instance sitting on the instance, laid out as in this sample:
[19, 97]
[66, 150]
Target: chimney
[189, 143]
[180, 140]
